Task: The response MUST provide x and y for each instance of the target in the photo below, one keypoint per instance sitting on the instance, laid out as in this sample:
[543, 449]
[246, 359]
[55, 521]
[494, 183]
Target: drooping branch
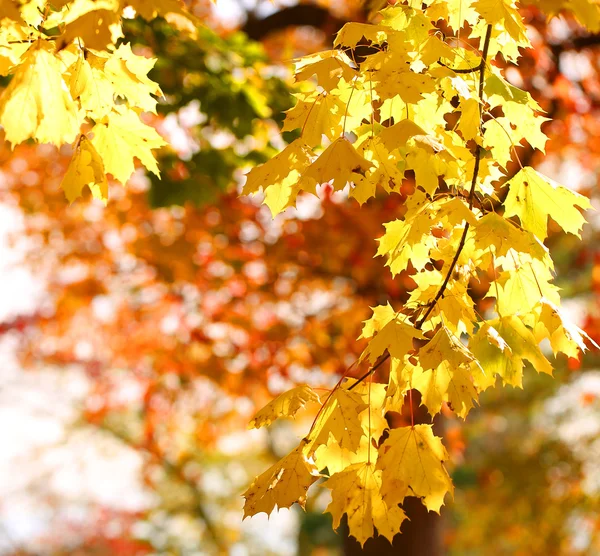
[471, 198]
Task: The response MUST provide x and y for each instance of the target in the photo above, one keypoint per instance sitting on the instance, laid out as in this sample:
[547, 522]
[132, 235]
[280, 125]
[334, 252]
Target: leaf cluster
[429, 108]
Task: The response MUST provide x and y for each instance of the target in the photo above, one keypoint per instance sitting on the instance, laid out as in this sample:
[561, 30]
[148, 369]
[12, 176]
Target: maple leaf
[504, 12]
[334, 458]
[85, 169]
[329, 67]
[469, 123]
[387, 171]
[564, 336]
[494, 231]
[97, 23]
[396, 337]
[533, 197]
[356, 492]
[412, 463]
[120, 137]
[285, 405]
[316, 114]
[89, 84]
[409, 241]
[502, 345]
[382, 314]
[283, 484]
[352, 33]
[455, 12]
[295, 156]
[36, 104]
[397, 135]
[128, 74]
[340, 419]
[520, 289]
[174, 12]
[444, 374]
[339, 163]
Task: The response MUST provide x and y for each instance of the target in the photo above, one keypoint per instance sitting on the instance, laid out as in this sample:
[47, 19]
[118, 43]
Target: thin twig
[464, 70]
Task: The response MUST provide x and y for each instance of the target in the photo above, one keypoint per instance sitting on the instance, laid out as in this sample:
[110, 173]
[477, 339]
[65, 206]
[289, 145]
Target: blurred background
[138, 339]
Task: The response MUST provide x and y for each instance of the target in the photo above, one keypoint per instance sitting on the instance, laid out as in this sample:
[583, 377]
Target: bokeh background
[138, 339]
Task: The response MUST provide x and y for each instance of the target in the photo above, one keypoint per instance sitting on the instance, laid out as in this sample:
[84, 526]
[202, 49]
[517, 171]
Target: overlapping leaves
[69, 78]
[439, 117]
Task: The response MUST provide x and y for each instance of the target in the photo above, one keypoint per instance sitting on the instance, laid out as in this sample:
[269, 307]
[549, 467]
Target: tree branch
[294, 16]
[463, 238]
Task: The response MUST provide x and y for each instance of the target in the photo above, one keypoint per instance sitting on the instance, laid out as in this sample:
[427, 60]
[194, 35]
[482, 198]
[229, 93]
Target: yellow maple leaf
[86, 168]
[329, 67]
[446, 383]
[14, 41]
[564, 336]
[502, 345]
[397, 135]
[37, 104]
[454, 309]
[88, 82]
[373, 416]
[396, 337]
[444, 374]
[283, 484]
[469, 123]
[120, 137]
[409, 240]
[387, 171]
[352, 33]
[498, 139]
[334, 458]
[315, 115]
[504, 12]
[95, 22]
[174, 12]
[455, 12]
[339, 163]
[494, 231]
[340, 418]
[399, 383]
[520, 289]
[533, 197]
[414, 457]
[382, 314]
[428, 159]
[285, 405]
[280, 177]
[295, 156]
[128, 74]
[356, 492]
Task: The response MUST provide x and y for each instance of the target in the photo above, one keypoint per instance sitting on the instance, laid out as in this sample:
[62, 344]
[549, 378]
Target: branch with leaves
[434, 110]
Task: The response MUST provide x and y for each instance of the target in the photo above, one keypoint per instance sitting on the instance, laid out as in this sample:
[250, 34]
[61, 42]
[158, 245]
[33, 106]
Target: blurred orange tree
[210, 306]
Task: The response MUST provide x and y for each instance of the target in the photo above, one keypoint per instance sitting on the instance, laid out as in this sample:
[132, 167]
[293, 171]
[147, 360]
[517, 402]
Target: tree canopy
[423, 127]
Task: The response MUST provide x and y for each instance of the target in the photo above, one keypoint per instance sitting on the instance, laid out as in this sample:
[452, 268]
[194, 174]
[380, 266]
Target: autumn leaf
[414, 458]
[533, 197]
[340, 419]
[356, 492]
[121, 137]
[282, 485]
[86, 169]
[36, 104]
[285, 405]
